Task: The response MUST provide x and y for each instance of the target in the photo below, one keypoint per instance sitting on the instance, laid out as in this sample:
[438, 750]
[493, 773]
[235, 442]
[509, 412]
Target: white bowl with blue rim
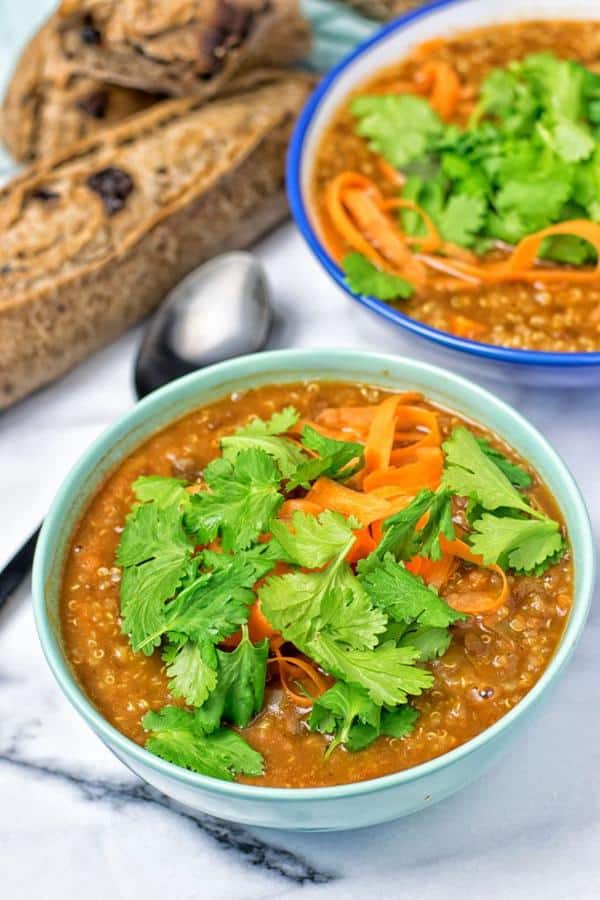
[387, 46]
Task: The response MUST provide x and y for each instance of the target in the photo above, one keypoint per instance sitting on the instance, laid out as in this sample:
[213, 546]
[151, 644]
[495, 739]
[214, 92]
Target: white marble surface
[74, 823]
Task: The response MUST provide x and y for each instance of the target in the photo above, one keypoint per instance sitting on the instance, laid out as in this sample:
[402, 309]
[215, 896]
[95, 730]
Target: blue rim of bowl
[302, 219]
[44, 555]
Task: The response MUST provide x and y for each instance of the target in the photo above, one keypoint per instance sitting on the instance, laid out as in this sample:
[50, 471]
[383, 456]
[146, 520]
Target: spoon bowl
[219, 311]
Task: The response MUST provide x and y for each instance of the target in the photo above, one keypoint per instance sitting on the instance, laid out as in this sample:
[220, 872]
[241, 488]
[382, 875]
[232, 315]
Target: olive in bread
[94, 238]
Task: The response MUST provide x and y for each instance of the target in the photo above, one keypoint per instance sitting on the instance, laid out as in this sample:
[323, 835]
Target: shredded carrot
[355, 207]
[475, 602]
[431, 241]
[363, 545]
[285, 663]
[435, 573]
[441, 82]
[364, 507]
[380, 439]
[289, 507]
[425, 471]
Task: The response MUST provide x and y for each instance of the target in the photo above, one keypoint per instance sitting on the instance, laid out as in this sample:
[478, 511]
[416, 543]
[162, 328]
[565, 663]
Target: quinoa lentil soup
[493, 659]
[552, 313]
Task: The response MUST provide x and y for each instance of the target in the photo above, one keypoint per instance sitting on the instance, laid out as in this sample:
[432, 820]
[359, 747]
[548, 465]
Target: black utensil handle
[17, 568]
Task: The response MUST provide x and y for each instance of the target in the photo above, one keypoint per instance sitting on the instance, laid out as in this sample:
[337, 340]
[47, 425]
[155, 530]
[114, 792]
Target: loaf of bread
[48, 105]
[385, 9]
[93, 239]
[181, 48]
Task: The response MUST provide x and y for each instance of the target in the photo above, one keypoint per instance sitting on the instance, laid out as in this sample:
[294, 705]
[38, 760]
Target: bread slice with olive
[185, 48]
[48, 105]
[93, 239]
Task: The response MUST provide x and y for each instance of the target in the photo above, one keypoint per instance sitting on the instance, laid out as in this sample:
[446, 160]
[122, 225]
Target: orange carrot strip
[284, 663]
[442, 84]
[363, 545]
[429, 242]
[289, 507]
[425, 472]
[380, 439]
[435, 573]
[475, 602]
[383, 234]
[364, 507]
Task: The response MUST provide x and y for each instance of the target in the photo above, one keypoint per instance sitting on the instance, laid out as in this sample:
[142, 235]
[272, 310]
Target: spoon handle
[17, 568]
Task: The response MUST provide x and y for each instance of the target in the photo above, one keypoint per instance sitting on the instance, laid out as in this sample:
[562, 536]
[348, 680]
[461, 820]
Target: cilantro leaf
[214, 605]
[177, 736]
[242, 498]
[348, 714]
[301, 605]
[399, 722]
[462, 219]
[430, 642]
[387, 673]
[262, 558]
[406, 598]
[162, 491]
[365, 278]
[352, 719]
[266, 435]
[240, 686]
[525, 545]
[192, 670]
[155, 553]
[280, 422]
[471, 473]
[401, 537]
[516, 474]
[313, 541]
[337, 459]
[399, 127]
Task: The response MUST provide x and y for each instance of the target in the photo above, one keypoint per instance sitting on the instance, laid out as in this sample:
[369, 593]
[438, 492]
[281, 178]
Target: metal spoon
[219, 311]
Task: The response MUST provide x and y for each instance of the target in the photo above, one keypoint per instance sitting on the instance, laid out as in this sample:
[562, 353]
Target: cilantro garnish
[373, 626]
[155, 552]
[243, 496]
[399, 127]
[352, 719]
[527, 159]
[518, 536]
[339, 460]
[266, 436]
[405, 597]
[178, 736]
[365, 278]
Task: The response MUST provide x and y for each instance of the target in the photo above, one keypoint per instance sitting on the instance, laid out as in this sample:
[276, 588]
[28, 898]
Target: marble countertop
[74, 823]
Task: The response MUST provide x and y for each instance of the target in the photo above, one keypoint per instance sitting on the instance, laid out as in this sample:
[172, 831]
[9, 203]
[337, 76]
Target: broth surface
[492, 662]
[560, 317]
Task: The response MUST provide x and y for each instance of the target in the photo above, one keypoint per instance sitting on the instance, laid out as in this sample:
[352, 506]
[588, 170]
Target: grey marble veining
[74, 823]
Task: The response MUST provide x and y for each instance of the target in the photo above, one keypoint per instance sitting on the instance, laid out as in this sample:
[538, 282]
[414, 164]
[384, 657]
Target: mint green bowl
[346, 806]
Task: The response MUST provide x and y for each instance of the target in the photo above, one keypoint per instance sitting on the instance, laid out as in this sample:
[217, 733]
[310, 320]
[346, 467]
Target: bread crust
[187, 181]
[48, 105]
[385, 9]
[183, 48]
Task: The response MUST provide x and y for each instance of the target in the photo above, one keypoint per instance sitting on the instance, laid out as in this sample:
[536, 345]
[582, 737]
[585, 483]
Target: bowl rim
[281, 363]
[299, 208]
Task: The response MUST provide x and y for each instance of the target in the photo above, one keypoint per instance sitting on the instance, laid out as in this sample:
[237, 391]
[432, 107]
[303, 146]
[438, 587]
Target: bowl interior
[195, 390]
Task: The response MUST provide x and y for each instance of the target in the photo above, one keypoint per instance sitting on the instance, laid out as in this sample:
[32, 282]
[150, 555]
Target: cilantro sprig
[374, 627]
[528, 158]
